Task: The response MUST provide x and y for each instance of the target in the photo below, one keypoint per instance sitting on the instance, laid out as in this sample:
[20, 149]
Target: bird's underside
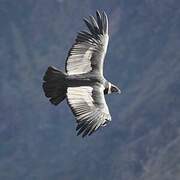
[83, 83]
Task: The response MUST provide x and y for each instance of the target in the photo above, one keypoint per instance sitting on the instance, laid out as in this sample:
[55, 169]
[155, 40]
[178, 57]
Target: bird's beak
[115, 89]
[118, 91]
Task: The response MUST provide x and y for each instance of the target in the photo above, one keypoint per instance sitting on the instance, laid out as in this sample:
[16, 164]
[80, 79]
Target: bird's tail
[54, 85]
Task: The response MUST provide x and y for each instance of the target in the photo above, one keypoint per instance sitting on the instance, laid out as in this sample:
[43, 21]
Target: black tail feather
[54, 85]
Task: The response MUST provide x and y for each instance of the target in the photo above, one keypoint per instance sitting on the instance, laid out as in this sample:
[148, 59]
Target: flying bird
[83, 83]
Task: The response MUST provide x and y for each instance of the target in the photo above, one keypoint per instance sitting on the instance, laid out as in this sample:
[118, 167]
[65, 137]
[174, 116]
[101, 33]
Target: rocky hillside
[38, 141]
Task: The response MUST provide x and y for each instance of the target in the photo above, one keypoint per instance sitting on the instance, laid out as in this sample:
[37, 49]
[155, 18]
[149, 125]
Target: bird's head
[115, 89]
[111, 88]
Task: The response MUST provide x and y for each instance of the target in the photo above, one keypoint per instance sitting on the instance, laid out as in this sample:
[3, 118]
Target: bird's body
[83, 83]
[85, 79]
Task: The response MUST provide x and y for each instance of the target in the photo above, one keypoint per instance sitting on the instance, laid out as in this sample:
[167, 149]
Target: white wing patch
[89, 107]
[78, 95]
[88, 51]
[79, 60]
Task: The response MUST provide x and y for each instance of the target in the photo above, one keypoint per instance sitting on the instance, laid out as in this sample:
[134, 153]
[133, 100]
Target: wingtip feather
[100, 25]
[89, 25]
[105, 22]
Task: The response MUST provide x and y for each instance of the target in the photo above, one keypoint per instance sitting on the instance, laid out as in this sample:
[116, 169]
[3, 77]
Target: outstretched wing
[88, 52]
[89, 107]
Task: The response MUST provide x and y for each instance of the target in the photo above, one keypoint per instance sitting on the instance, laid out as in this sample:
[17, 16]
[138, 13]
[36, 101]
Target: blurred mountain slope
[38, 140]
